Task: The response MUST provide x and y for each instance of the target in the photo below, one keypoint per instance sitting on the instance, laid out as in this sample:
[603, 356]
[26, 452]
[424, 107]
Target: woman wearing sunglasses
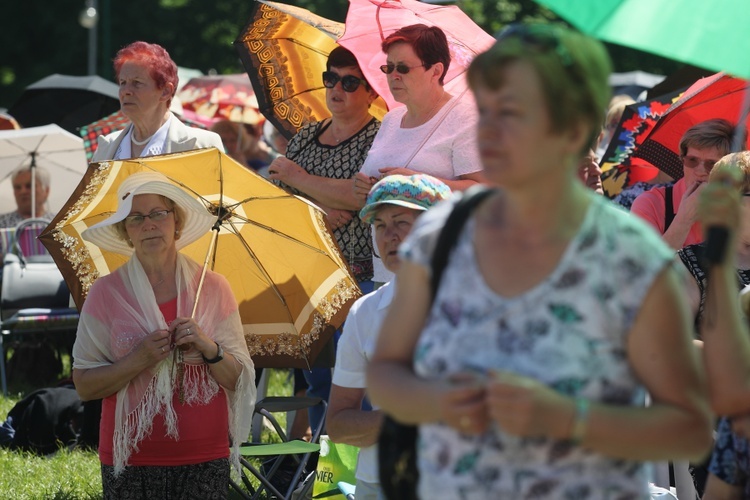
[556, 314]
[320, 162]
[322, 157]
[434, 132]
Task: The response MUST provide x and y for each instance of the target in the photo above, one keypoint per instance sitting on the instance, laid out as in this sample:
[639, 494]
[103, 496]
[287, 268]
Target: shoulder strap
[446, 112]
[449, 234]
[668, 208]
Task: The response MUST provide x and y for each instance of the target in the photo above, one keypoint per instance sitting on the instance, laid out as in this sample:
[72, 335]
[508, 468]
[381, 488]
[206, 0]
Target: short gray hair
[42, 174]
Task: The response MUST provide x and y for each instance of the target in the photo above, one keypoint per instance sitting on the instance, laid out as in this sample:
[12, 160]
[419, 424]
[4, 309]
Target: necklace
[333, 134]
[159, 283]
[427, 117]
[140, 143]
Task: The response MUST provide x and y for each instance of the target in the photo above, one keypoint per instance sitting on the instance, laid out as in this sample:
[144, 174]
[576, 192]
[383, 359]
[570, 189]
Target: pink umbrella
[368, 22]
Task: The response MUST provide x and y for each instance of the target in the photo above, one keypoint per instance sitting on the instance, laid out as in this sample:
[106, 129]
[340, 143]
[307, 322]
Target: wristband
[581, 418]
[219, 355]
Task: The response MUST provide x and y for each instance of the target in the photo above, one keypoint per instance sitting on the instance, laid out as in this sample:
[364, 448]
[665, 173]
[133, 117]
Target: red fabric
[650, 207]
[641, 171]
[203, 430]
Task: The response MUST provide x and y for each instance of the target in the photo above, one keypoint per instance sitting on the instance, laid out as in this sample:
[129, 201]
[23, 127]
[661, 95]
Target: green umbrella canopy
[711, 34]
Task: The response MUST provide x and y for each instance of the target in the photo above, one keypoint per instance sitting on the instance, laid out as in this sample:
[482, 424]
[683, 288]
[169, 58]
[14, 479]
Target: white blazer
[180, 138]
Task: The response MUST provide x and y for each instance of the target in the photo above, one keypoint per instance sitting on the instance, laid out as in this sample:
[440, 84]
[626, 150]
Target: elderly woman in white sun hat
[168, 419]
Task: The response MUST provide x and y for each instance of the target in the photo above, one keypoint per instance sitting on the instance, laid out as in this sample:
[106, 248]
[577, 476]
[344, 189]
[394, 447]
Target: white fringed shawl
[120, 310]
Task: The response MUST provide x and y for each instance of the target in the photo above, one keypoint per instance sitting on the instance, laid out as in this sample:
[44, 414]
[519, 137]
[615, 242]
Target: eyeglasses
[401, 68]
[349, 83]
[137, 220]
[542, 37]
[692, 162]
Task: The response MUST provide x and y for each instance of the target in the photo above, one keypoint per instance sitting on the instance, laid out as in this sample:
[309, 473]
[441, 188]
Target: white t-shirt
[355, 348]
[449, 152]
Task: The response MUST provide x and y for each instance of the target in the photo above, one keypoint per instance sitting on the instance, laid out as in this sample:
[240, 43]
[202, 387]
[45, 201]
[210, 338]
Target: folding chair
[347, 489]
[34, 299]
[298, 451]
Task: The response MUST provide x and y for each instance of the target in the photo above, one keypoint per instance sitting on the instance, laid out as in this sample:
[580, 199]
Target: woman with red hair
[147, 77]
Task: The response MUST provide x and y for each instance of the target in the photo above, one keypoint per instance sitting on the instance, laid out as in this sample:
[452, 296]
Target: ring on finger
[162, 350]
[188, 332]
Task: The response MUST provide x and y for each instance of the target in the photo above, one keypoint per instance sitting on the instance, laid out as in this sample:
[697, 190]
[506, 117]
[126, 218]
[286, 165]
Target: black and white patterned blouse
[342, 161]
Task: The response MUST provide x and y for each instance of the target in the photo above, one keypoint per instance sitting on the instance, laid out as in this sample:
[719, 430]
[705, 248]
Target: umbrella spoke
[276, 232]
[59, 165]
[298, 95]
[304, 45]
[257, 262]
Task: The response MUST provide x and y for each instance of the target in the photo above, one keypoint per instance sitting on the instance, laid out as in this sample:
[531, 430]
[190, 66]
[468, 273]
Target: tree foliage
[42, 38]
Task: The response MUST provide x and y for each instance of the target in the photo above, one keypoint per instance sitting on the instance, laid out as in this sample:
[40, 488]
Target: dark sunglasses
[693, 162]
[541, 37]
[349, 83]
[401, 69]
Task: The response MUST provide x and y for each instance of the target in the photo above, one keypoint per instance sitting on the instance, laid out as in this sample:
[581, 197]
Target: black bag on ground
[34, 362]
[397, 443]
[45, 420]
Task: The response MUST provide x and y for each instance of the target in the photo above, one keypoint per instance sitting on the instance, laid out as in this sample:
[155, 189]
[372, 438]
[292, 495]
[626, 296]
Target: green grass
[68, 475]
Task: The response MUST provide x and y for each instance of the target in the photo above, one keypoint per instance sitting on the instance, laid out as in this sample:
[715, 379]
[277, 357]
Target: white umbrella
[50, 146]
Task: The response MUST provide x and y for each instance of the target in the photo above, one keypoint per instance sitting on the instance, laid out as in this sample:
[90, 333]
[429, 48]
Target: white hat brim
[198, 220]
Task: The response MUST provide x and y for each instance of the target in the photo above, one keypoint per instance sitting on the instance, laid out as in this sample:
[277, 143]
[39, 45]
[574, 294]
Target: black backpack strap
[668, 208]
[397, 448]
[452, 228]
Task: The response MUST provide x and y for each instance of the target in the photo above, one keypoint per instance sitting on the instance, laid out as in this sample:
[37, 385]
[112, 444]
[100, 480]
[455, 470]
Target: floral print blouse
[569, 332]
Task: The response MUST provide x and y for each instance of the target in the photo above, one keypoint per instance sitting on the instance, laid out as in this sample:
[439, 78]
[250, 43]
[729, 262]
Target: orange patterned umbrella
[284, 50]
[287, 273]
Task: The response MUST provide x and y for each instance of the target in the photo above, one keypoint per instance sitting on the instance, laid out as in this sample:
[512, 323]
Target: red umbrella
[619, 168]
[7, 122]
[210, 98]
[716, 96]
[112, 123]
[368, 22]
